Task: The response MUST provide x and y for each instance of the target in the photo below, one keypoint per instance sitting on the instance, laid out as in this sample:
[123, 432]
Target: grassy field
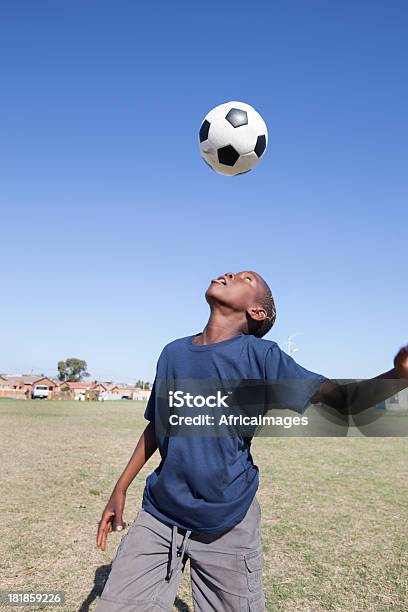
[335, 510]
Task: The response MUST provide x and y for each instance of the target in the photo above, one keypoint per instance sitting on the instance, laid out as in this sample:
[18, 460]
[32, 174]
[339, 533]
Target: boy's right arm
[112, 515]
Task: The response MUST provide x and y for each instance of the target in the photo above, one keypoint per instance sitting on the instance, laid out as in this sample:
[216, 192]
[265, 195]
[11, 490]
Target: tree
[142, 384]
[72, 370]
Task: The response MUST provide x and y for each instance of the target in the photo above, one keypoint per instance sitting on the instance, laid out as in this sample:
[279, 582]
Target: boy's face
[239, 290]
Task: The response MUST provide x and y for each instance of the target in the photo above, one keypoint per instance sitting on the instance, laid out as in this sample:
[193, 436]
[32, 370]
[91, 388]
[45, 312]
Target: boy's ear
[257, 313]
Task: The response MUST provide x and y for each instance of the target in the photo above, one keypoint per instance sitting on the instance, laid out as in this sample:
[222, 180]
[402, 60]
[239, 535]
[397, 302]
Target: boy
[200, 503]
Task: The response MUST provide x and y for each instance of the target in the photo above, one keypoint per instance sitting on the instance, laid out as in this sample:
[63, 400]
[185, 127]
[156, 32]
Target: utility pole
[291, 347]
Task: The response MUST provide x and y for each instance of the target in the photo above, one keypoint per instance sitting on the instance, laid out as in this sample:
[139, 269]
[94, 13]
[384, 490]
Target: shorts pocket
[254, 565]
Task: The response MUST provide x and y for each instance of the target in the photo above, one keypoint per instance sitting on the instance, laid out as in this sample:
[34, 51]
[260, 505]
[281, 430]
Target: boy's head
[247, 293]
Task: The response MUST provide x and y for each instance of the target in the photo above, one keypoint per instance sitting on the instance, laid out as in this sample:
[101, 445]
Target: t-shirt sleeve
[289, 385]
[149, 413]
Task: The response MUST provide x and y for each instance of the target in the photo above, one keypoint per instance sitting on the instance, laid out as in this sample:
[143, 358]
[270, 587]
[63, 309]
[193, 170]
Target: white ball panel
[226, 170]
[210, 156]
[259, 125]
[244, 139]
[221, 133]
[217, 112]
[206, 147]
[243, 164]
[246, 162]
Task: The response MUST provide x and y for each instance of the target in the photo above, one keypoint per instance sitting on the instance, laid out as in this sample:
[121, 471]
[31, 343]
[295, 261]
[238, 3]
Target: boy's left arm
[355, 397]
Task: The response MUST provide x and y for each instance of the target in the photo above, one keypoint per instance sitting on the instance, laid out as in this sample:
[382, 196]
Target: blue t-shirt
[207, 483]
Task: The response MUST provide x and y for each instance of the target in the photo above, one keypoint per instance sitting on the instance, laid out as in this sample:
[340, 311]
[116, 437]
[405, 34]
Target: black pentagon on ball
[204, 129]
[237, 117]
[227, 155]
[260, 145]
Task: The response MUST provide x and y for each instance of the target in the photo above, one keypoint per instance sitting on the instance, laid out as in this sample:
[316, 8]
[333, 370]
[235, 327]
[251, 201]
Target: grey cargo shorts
[225, 569]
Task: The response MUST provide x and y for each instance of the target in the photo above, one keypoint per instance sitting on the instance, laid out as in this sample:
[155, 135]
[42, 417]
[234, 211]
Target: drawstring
[174, 562]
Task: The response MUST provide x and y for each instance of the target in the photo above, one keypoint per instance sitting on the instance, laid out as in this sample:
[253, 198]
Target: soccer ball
[233, 137]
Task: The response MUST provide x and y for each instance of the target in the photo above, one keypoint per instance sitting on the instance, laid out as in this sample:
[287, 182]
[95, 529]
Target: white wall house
[398, 402]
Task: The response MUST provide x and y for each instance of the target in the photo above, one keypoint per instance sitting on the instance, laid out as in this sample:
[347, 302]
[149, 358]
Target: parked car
[40, 392]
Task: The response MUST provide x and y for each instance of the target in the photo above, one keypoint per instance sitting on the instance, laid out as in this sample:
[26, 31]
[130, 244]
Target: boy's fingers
[99, 540]
[102, 534]
[105, 526]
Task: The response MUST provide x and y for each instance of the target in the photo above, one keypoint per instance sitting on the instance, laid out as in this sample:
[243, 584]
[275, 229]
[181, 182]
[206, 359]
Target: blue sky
[112, 226]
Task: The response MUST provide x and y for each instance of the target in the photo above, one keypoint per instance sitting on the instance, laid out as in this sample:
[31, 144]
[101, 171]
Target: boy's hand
[401, 363]
[111, 518]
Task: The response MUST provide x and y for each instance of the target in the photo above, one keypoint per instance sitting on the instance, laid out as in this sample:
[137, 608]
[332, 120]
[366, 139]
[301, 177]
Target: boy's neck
[220, 328]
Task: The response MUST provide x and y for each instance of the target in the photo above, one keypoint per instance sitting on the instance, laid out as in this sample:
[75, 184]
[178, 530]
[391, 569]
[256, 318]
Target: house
[122, 391]
[45, 381]
[77, 390]
[100, 387]
[142, 395]
[85, 390]
[125, 391]
[21, 387]
[398, 402]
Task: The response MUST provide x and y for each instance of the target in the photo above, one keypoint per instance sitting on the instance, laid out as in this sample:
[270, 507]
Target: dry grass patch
[334, 510]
